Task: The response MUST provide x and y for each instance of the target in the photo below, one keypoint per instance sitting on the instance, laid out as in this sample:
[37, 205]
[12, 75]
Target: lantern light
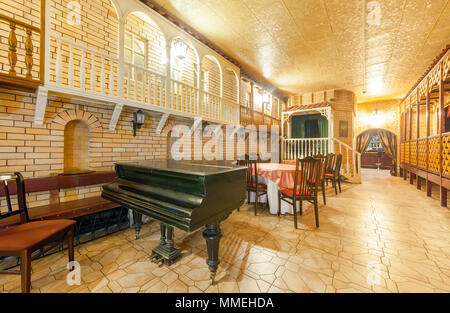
[377, 119]
[138, 120]
[180, 49]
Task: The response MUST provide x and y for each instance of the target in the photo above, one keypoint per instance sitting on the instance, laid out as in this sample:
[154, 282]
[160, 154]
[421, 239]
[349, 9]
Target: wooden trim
[19, 23]
[16, 82]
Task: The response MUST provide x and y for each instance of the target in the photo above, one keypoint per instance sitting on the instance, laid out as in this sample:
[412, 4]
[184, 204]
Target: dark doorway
[309, 126]
[312, 129]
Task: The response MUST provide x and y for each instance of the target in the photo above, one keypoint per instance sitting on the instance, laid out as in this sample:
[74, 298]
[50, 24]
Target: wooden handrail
[19, 23]
[11, 78]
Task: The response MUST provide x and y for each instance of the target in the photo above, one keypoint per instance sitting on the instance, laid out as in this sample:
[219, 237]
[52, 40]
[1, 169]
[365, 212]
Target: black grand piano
[186, 195]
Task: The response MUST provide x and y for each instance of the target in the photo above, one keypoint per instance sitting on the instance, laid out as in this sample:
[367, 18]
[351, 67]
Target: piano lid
[197, 168]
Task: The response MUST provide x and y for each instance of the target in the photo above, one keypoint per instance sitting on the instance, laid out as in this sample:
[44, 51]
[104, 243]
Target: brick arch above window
[60, 121]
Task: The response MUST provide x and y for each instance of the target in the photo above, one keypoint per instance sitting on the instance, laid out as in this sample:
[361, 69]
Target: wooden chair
[335, 175]
[322, 160]
[252, 181]
[306, 181]
[23, 238]
[329, 163]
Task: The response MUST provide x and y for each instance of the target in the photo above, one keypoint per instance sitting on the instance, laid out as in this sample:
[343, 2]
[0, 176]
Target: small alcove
[76, 147]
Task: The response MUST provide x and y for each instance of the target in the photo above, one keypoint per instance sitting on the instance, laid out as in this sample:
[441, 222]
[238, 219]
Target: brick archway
[60, 121]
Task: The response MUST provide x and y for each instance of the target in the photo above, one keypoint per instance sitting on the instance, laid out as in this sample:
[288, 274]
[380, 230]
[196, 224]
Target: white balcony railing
[75, 68]
[293, 148]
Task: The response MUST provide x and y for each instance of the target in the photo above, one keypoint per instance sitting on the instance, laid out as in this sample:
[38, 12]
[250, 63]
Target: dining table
[276, 176]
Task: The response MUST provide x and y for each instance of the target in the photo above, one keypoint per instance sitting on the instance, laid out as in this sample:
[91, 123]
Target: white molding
[115, 116]
[41, 105]
[162, 123]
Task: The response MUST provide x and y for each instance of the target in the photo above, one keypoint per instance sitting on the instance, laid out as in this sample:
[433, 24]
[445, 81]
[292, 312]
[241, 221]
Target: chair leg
[316, 212]
[256, 202]
[334, 185]
[323, 193]
[70, 248]
[294, 206]
[25, 269]
[248, 196]
[301, 207]
[339, 183]
[279, 203]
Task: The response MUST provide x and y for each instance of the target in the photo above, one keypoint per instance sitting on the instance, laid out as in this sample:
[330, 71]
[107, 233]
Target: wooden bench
[69, 209]
[82, 210]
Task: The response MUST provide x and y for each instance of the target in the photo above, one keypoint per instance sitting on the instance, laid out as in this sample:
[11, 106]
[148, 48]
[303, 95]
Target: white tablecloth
[272, 194]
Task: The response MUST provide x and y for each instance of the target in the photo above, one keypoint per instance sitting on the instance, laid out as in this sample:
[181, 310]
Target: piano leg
[137, 219]
[212, 234]
[163, 234]
[165, 253]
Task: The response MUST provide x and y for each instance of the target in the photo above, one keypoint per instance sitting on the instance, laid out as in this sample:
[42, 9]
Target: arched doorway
[378, 148]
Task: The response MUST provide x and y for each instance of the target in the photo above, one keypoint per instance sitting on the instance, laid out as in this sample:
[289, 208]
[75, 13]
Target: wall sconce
[180, 49]
[138, 120]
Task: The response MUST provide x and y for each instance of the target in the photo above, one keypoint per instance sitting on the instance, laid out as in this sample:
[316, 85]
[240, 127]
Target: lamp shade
[180, 49]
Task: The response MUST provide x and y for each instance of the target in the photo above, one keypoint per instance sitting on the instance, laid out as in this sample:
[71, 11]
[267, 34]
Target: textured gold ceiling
[312, 45]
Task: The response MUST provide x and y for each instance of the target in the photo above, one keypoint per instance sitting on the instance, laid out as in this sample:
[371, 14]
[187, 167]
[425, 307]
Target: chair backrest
[252, 170]
[329, 162]
[337, 165]
[323, 164]
[21, 200]
[307, 175]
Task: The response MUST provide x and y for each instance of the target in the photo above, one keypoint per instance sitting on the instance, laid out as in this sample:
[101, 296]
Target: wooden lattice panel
[446, 65]
[435, 77]
[402, 152]
[446, 155]
[423, 89]
[413, 147]
[422, 153]
[407, 144]
[433, 154]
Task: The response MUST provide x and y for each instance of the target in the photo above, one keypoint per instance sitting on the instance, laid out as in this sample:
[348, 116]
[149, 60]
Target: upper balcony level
[118, 52]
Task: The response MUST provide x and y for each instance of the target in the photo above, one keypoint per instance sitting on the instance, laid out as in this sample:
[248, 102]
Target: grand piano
[185, 195]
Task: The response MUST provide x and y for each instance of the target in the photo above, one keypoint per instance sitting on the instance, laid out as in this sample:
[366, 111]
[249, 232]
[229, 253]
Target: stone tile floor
[380, 236]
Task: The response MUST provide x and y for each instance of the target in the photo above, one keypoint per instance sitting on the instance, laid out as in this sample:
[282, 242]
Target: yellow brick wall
[38, 151]
[98, 28]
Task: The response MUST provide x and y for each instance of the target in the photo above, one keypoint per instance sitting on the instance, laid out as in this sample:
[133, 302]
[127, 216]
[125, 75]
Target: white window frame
[133, 51]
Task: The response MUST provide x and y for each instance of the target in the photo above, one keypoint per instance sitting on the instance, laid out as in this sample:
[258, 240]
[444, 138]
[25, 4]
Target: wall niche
[76, 147]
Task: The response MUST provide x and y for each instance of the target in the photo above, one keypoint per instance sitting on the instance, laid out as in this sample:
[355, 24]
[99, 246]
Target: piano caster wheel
[212, 277]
